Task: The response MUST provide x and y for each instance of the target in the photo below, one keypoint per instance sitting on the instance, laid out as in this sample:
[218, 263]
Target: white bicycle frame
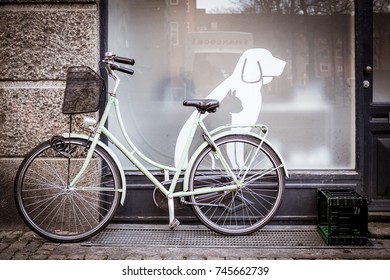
[170, 193]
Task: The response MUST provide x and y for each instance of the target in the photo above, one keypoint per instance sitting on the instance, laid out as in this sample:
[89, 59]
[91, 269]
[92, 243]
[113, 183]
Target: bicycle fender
[112, 154]
[223, 134]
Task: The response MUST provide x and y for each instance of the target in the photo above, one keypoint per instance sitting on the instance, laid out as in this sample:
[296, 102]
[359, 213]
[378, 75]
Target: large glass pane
[381, 46]
[287, 64]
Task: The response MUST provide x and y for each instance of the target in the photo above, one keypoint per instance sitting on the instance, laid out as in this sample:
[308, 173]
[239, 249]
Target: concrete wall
[39, 40]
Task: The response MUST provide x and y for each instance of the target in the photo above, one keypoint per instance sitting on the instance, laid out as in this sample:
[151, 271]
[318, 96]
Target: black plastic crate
[342, 217]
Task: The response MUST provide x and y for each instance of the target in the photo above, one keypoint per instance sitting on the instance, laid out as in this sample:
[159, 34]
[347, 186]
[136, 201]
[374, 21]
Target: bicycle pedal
[175, 223]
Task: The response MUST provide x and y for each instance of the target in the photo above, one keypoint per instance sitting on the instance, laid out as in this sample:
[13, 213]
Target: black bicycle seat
[203, 105]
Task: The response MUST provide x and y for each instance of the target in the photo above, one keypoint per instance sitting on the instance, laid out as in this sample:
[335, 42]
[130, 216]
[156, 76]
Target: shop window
[307, 103]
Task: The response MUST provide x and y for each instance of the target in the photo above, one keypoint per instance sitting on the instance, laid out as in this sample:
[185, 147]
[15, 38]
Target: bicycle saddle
[203, 105]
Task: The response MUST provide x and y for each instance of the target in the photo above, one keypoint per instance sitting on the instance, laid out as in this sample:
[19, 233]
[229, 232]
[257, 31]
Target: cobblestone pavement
[25, 245]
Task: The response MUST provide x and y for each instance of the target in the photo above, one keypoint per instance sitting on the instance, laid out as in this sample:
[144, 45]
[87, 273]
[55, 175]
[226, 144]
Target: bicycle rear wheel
[245, 210]
[52, 209]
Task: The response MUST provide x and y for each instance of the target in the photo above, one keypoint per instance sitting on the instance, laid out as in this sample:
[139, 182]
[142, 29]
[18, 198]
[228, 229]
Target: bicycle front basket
[83, 90]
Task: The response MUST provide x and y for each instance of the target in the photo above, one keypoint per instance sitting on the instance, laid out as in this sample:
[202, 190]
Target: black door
[376, 96]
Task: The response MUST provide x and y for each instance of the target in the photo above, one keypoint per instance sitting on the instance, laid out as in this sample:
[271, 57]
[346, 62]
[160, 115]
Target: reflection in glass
[187, 49]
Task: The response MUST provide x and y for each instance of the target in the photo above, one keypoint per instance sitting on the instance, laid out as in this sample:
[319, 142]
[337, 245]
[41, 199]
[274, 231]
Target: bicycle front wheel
[56, 211]
[257, 168]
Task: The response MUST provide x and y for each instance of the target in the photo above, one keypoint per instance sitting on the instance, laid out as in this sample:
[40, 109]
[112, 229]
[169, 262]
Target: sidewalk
[25, 245]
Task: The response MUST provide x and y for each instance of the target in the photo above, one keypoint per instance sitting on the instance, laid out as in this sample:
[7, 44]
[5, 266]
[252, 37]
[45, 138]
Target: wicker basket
[84, 88]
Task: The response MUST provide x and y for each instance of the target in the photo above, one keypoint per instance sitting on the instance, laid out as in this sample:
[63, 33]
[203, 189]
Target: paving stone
[96, 257]
[8, 253]
[75, 257]
[379, 230]
[38, 257]
[13, 234]
[21, 256]
[30, 235]
[32, 247]
[4, 256]
[49, 246]
[57, 257]
[133, 257]
[2, 234]
[4, 245]
[18, 245]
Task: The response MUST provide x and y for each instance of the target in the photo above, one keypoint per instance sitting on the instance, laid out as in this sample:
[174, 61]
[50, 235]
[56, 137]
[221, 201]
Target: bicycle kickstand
[173, 222]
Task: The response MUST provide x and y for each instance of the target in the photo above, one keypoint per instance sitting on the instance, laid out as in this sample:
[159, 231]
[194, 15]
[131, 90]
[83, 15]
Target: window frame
[307, 178]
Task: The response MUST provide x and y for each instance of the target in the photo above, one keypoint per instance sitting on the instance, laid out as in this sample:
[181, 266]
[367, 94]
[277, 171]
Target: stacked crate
[342, 216]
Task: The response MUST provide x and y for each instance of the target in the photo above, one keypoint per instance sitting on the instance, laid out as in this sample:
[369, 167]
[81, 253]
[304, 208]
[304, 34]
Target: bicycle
[68, 188]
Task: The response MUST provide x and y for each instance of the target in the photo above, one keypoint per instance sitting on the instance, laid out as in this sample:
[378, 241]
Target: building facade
[327, 109]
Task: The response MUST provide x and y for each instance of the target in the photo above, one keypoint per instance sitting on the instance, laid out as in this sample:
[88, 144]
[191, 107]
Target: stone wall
[39, 40]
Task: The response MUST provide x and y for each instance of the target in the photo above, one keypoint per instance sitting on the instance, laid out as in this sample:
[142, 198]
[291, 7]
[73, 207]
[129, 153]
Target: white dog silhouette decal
[255, 68]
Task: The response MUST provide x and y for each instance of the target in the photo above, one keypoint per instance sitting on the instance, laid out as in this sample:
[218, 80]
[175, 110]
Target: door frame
[363, 58]
[367, 130]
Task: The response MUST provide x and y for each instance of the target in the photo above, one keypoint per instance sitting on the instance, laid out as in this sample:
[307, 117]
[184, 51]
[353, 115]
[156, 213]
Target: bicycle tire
[245, 210]
[59, 213]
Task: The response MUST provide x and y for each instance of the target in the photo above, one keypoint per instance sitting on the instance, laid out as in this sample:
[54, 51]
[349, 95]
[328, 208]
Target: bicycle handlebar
[119, 68]
[124, 60]
[110, 58]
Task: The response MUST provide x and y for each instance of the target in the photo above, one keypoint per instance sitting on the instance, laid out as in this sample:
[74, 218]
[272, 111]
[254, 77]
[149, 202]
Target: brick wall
[39, 40]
